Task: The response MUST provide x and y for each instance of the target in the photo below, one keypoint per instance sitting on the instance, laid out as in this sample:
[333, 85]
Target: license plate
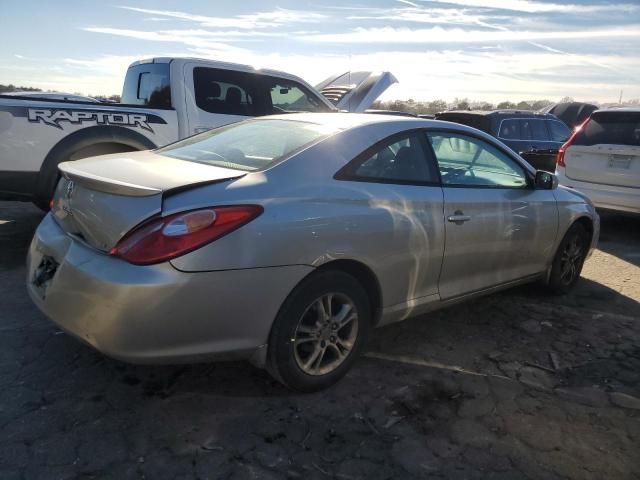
[620, 161]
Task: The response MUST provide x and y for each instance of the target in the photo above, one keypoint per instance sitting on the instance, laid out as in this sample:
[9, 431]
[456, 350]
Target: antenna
[620, 99]
[350, 95]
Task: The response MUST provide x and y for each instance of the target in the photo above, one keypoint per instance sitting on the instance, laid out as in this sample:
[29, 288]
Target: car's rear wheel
[319, 332]
[569, 259]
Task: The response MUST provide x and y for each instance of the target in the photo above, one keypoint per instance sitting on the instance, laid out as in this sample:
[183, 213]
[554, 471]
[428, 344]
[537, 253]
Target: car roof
[618, 109]
[341, 121]
[344, 120]
[239, 67]
[501, 113]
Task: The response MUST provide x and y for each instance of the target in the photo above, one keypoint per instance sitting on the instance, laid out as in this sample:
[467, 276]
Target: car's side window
[224, 91]
[466, 161]
[400, 160]
[509, 129]
[533, 129]
[559, 131]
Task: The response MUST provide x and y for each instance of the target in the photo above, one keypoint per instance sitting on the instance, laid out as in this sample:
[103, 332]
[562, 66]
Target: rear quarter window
[558, 130]
[147, 84]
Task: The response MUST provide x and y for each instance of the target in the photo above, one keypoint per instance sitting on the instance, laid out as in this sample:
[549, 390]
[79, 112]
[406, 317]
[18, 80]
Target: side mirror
[545, 180]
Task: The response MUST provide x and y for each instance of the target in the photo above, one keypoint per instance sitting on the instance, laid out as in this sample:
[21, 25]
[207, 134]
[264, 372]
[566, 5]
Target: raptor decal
[54, 117]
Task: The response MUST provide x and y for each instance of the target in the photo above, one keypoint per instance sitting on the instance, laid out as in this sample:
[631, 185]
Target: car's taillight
[560, 156]
[567, 144]
[163, 238]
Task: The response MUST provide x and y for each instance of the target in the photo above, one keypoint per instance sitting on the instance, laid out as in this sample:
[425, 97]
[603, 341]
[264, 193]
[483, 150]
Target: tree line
[410, 105]
[435, 106]
[13, 88]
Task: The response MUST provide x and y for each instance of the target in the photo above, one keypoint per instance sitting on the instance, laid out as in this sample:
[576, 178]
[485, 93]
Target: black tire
[284, 355]
[569, 259]
[46, 189]
[65, 149]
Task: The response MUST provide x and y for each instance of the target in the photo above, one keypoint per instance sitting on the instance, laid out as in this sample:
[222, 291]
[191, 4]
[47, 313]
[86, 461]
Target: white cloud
[274, 18]
[407, 2]
[391, 35]
[436, 15]
[542, 7]
[192, 38]
[486, 50]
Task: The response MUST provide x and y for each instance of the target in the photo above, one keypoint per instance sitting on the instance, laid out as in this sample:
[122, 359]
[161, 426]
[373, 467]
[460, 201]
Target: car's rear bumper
[155, 314]
[609, 197]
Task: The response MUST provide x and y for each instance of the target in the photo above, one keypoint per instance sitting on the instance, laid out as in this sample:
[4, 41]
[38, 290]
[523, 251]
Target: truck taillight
[567, 144]
[163, 238]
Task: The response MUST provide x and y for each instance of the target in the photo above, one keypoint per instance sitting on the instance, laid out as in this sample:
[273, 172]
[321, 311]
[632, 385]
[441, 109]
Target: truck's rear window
[251, 145]
[610, 128]
[147, 84]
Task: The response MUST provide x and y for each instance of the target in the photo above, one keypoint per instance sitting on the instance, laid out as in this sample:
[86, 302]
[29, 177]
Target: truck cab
[163, 100]
[208, 94]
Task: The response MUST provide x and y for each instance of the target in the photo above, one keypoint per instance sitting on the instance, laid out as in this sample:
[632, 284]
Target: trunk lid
[355, 91]
[100, 199]
[607, 150]
[617, 165]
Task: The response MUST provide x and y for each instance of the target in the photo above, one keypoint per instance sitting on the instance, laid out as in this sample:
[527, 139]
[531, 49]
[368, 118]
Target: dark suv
[535, 136]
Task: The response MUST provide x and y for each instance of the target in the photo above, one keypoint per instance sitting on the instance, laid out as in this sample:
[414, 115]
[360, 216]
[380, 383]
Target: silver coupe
[284, 240]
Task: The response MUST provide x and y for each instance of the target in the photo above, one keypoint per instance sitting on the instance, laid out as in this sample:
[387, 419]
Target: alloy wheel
[326, 334]
[571, 259]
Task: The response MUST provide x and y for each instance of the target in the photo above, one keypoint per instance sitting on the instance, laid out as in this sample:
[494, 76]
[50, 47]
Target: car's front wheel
[569, 259]
[319, 332]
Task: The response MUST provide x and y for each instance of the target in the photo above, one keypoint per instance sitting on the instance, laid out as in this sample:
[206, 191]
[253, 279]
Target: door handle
[458, 218]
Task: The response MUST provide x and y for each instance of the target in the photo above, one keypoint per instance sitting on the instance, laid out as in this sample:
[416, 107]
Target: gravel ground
[511, 386]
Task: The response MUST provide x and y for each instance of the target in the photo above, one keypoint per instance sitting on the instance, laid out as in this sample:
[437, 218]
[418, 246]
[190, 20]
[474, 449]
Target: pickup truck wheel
[319, 332]
[49, 174]
[46, 189]
[569, 259]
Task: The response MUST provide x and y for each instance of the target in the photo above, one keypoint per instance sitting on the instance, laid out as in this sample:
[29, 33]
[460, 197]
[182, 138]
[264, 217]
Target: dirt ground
[511, 386]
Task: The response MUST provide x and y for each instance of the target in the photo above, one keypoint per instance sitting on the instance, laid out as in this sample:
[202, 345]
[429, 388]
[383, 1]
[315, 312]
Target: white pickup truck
[163, 100]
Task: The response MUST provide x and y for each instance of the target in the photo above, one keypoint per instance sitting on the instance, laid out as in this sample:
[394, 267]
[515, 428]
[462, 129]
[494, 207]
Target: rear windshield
[147, 84]
[612, 128]
[249, 146]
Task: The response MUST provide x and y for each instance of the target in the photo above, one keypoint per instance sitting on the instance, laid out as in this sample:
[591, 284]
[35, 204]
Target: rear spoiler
[107, 185]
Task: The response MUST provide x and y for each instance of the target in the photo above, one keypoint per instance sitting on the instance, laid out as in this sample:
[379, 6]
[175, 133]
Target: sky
[491, 50]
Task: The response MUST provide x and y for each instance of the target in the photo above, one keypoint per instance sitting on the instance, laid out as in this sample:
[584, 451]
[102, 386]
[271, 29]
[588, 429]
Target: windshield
[251, 145]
